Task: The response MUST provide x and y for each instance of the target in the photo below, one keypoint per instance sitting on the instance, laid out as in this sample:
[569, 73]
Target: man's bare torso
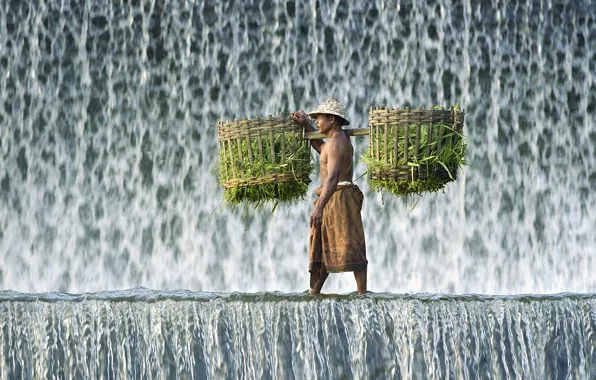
[346, 160]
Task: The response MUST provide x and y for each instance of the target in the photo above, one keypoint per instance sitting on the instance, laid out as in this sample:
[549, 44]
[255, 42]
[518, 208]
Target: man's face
[324, 122]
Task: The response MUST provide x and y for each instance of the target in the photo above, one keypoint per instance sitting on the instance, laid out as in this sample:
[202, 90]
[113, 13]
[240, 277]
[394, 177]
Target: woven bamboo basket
[262, 151]
[410, 144]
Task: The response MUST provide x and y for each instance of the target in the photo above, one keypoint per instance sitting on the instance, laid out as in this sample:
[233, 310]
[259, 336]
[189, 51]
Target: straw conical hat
[331, 107]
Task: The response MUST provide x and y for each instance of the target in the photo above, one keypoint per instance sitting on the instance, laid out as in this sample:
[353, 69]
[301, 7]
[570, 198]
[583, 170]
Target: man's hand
[300, 117]
[316, 217]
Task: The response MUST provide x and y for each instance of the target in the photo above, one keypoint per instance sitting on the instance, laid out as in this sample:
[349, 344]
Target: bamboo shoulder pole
[348, 131]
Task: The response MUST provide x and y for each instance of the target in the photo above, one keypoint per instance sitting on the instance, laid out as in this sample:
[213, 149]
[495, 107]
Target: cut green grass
[250, 181]
[428, 170]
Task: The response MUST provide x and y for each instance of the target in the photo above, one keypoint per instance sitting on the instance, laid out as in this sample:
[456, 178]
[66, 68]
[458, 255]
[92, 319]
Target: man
[336, 235]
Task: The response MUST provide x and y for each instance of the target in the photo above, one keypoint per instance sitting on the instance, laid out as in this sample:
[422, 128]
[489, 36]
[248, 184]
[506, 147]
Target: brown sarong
[338, 244]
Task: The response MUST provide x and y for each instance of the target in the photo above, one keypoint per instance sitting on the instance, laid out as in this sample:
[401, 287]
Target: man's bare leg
[317, 279]
[361, 281]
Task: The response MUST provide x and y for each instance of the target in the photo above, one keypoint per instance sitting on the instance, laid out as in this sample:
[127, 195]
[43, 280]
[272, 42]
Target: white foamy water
[108, 114]
[147, 334]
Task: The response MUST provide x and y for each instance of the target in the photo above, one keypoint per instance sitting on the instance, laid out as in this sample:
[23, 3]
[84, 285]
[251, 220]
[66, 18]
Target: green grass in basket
[298, 162]
[451, 155]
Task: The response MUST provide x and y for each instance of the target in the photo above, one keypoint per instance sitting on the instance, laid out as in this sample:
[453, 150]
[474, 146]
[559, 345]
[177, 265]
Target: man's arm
[301, 118]
[317, 144]
[334, 154]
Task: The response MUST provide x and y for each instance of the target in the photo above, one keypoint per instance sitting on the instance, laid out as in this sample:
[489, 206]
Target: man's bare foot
[317, 280]
[314, 291]
[361, 281]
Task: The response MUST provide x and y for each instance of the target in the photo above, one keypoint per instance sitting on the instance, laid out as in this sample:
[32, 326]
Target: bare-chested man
[337, 236]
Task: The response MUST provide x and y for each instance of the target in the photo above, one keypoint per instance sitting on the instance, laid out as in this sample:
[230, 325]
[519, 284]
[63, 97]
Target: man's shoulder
[341, 140]
[339, 143]
[344, 142]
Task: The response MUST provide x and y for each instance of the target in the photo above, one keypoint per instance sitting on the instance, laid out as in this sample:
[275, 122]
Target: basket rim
[246, 128]
[265, 180]
[407, 172]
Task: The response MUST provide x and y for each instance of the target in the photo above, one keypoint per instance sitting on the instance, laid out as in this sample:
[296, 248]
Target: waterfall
[145, 334]
[108, 113]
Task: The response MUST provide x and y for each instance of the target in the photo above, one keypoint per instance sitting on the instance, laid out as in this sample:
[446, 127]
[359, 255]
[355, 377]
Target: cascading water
[108, 141]
[108, 113]
[145, 334]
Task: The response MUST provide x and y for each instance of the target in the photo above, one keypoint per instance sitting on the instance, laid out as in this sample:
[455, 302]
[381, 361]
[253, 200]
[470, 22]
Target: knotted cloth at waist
[340, 185]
